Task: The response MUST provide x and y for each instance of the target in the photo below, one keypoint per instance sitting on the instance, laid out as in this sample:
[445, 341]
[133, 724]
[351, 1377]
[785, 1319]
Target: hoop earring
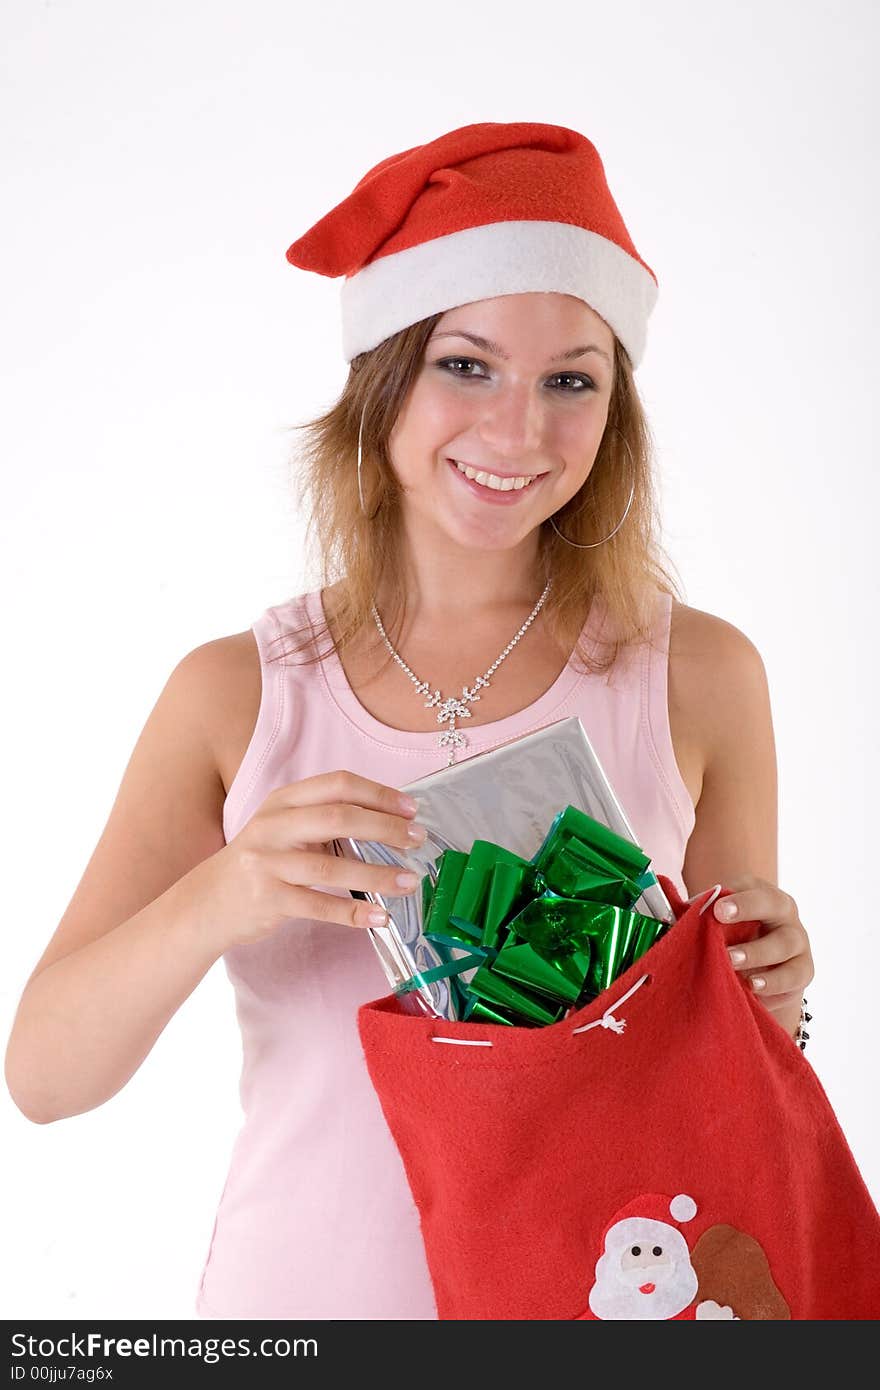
[632, 491]
[360, 460]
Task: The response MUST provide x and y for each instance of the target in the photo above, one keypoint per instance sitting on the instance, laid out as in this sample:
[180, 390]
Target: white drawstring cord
[716, 892]
[608, 1020]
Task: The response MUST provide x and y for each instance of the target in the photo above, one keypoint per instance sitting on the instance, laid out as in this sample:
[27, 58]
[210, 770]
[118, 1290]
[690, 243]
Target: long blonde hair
[365, 550]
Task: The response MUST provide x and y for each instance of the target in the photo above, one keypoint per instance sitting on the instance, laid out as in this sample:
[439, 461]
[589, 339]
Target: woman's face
[530, 399]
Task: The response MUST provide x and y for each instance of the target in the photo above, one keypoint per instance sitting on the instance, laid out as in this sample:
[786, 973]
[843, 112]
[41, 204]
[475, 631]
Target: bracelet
[801, 1035]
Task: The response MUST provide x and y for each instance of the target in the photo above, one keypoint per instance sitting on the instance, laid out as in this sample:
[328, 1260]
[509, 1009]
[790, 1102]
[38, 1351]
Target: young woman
[482, 497]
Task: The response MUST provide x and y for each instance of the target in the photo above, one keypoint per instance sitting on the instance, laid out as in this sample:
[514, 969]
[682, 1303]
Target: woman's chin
[471, 533]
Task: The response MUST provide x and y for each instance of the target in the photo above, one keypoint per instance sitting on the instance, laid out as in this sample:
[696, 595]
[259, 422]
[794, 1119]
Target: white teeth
[490, 480]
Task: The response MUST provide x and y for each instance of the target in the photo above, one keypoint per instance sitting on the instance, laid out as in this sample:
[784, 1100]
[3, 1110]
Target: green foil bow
[524, 941]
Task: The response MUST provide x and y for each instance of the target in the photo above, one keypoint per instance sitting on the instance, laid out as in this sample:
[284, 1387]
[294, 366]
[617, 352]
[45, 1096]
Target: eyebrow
[486, 345]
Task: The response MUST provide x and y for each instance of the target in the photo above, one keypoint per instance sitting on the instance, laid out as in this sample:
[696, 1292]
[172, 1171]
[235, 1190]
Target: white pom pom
[682, 1208]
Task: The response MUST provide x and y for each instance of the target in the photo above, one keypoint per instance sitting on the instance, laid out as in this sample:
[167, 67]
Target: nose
[646, 1259]
[512, 423]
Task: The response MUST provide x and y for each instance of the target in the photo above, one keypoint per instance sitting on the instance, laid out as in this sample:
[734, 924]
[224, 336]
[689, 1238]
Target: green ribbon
[522, 942]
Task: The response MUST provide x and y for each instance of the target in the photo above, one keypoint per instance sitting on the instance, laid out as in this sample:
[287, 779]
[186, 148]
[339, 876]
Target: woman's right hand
[266, 873]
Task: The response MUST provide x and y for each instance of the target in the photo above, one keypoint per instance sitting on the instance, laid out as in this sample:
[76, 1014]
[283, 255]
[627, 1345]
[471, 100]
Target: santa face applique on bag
[647, 1271]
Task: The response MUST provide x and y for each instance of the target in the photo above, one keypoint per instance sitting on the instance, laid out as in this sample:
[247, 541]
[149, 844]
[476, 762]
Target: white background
[156, 162]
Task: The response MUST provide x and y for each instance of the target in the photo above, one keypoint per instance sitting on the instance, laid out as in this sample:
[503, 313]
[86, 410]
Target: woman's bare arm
[719, 677]
[728, 704]
[133, 943]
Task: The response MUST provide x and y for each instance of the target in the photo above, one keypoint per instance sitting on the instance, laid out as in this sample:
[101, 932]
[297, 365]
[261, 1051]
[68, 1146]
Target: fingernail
[417, 833]
[737, 957]
[758, 982]
[408, 805]
[407, 880]
[725, 911]
[377, 918]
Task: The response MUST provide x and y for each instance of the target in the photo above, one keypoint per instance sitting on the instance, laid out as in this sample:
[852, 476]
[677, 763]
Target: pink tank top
[316, 1218]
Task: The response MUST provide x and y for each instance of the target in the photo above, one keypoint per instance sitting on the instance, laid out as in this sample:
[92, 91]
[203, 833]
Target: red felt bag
[665, 1152]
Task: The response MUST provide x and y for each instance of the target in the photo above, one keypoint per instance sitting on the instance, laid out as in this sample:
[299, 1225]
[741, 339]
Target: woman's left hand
[779, 962]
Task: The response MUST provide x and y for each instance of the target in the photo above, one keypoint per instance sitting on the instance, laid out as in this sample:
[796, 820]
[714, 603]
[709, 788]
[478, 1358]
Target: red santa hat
[485, 210]
[649, 1217]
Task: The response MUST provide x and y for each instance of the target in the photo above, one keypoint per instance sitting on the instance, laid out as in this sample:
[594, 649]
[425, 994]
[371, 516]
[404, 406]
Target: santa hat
[485, 210]
[649, 1217]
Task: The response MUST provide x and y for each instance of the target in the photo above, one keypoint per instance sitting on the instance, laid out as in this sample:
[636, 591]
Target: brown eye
[583, 382]
[447, 363]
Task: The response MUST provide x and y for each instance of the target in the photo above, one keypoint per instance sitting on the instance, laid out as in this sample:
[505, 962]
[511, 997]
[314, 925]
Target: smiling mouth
[647, 1288]
[495, 482]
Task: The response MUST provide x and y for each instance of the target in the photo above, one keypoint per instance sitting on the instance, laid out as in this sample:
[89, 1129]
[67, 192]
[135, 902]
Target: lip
[647, 1288]
[491, 495]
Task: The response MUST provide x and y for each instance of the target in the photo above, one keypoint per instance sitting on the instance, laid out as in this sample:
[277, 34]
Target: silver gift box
[509, 795]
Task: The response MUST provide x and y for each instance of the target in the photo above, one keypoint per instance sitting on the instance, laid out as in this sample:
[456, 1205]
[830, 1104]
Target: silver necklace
[455, 708]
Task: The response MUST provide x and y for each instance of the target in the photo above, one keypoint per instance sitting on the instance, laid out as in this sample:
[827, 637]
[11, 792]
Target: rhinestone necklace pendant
[454, 708]
[451, 710]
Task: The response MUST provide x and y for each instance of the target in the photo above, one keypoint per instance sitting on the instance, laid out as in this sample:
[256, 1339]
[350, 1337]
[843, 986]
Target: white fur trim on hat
[500, 258]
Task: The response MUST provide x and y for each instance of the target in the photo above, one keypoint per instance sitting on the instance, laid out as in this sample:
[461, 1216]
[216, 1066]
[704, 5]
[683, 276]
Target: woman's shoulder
[716, 675]
[232, 664]
[707, 640]
[226, 680]
[696, 638]
[234, 659]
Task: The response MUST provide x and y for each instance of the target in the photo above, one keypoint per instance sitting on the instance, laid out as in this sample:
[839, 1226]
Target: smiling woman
[515, 417]
[426, 413]
[482, 498]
